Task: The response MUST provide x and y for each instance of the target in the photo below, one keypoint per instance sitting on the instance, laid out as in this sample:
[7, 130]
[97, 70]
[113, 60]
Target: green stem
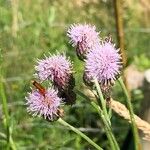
[104, 110]
[61, 121]
[4, 102]
[129, 105]
[5, 108]
[12, 144]
[111, 138]
[108, 130]
[101, 100]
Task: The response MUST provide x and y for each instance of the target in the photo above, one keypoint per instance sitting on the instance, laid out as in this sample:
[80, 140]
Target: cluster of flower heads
[102, 59]
[58, 70]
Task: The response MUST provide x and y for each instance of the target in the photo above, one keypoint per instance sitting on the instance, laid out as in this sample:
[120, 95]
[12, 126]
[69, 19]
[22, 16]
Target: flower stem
[107, 127]
[105, 116]
[110, 136]
[61, 121]
[129, 105]
[102, 100]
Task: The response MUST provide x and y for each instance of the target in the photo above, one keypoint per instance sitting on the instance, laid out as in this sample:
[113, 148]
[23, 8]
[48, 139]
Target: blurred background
[31, 28]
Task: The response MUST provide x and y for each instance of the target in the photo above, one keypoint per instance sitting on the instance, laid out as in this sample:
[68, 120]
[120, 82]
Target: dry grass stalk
[121, 110]
[15, 27]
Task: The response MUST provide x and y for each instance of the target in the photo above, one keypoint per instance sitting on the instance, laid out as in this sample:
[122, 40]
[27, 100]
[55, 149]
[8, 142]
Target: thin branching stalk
[129, 105]
[64, 123]
[107, 127]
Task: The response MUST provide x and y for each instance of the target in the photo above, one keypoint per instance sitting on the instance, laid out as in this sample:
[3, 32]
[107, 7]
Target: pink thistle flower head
[46, 105]
[103, 63]
[56, 68]
[83, 37]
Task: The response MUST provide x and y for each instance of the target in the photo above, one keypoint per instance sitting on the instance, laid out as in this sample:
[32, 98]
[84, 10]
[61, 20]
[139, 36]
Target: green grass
[42, 28]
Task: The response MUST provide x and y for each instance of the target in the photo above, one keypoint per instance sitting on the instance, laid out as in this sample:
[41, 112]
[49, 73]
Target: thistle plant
[103, 65]
[56, 68]
[45, 105]
[83, 37]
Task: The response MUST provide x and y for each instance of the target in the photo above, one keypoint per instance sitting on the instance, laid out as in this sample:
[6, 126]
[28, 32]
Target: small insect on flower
[44, 102]
[39, 87]
[83, 37]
